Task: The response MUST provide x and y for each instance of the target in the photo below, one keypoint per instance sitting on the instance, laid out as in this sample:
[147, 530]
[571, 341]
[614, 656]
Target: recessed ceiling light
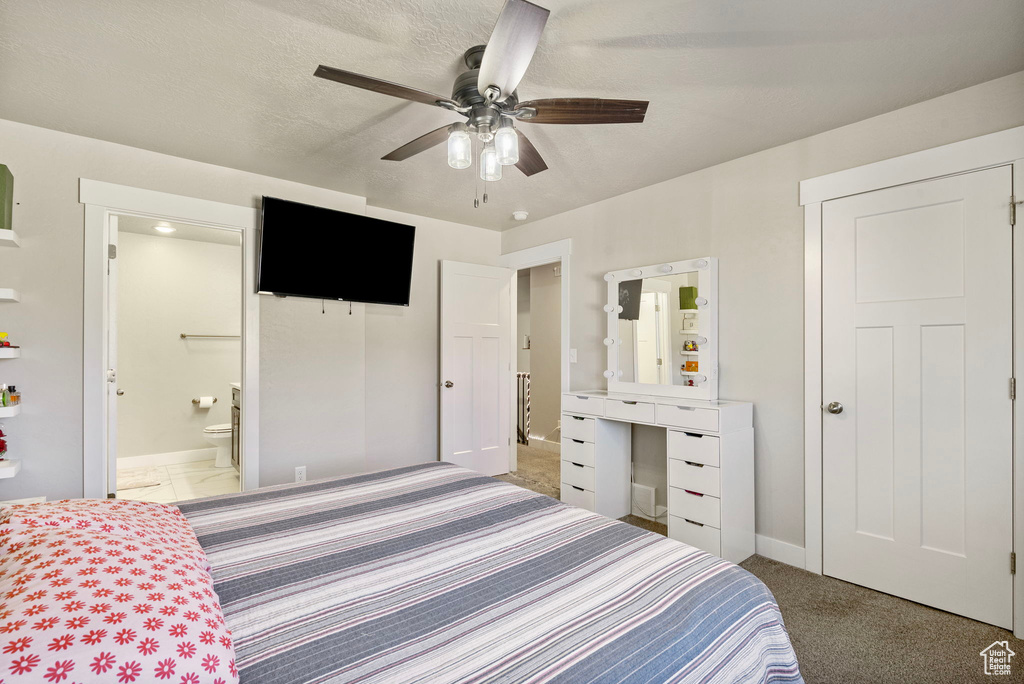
[520, 215]
[164, 228]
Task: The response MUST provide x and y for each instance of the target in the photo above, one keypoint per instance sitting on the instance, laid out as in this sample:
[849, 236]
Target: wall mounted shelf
[10, 411]
[9, 468]
[8, 238]
[10, 352]
[9, 295]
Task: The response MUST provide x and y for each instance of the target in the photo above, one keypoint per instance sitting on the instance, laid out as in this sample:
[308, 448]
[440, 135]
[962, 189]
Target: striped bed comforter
[434, 574]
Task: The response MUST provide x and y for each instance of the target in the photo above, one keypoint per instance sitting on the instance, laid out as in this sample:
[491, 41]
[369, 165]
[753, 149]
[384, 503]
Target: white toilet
[220, 437]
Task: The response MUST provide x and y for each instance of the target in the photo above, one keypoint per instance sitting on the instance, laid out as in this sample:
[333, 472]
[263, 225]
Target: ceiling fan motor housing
[465, 92]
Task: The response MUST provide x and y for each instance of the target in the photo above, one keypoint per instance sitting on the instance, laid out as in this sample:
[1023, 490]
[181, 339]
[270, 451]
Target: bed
[434, 574]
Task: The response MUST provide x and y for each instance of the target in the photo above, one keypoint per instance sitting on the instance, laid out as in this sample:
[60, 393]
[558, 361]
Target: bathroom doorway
[174, 339]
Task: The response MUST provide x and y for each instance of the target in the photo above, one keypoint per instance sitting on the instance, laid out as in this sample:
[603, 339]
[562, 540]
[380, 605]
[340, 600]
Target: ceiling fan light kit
[486, 95]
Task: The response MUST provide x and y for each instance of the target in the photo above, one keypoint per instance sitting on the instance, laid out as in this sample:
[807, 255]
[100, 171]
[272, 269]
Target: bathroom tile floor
[179, 482]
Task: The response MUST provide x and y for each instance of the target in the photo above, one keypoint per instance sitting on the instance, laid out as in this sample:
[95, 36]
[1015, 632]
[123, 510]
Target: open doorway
[538, 379]
[174, 339]
[541, 357]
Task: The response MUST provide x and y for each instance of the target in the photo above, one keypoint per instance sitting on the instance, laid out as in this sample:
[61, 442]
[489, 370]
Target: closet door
[917, 356]
[476, 369]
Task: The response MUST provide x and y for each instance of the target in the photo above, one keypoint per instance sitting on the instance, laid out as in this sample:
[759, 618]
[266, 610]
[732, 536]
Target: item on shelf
[687, 297]
[5, 396]
[691, 366]
[688, 345]
[690, 324]
[3, 443]
[6, 198]
[15, 396]
[3, 340]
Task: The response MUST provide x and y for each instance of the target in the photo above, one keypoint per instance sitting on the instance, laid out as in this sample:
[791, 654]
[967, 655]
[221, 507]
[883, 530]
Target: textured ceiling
[230, 82]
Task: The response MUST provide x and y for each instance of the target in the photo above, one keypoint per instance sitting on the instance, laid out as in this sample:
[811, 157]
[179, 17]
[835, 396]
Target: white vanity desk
[709, 442]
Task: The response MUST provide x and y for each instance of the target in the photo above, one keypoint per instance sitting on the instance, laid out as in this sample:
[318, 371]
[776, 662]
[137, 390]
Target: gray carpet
[847, 634]
[842, 633]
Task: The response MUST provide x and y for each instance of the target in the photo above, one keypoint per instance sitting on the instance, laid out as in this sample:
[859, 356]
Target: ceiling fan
[486, 95]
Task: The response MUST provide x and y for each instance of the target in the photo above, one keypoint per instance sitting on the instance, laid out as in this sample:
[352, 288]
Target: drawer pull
[694, 493]
[582, 398]
[578, 441]
[578, 418]
[687, 408]
[579, 489]
[695, 465]
[578, 465]
[696, 435]
[629, 403]
[693, 522]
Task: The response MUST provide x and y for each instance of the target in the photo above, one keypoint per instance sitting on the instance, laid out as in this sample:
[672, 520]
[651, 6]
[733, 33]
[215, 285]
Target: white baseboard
[780, 551]
[168, 458]
[544, 445]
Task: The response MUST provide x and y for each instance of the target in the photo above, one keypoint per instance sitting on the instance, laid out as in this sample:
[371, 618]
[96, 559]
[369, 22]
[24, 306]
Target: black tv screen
[308, 251]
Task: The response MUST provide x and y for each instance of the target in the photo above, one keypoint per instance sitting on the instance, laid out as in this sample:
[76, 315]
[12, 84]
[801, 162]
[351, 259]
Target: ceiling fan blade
[424, 142]
[511, 46]
[530, 161]
[378, 86]
[585, 110]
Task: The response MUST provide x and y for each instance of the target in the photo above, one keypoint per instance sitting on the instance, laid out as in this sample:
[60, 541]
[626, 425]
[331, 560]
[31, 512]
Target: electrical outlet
[300, 474]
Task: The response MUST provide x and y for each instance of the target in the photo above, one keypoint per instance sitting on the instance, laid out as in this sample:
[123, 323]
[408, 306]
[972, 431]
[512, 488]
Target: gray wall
[339, 393]
[545, 351]
[168, 286]
[746, 212]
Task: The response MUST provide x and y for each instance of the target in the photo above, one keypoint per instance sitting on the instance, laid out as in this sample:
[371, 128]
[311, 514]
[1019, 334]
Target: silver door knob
[449, 383]
[120, 392]
[834, 407]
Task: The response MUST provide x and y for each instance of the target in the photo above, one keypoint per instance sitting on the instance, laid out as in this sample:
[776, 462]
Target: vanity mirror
[662, 333]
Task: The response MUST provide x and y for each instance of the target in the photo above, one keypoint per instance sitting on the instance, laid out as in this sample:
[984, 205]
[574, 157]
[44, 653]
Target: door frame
[975, 154]
[101, 200]
[558, 252]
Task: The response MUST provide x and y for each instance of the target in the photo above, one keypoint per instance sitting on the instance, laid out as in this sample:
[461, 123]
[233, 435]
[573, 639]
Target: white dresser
[710, 464]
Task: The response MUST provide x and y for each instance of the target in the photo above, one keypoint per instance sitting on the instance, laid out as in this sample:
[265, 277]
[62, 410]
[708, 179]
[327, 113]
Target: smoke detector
[520, 215]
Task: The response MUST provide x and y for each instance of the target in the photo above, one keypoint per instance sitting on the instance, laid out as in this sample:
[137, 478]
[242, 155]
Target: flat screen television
[308, 251]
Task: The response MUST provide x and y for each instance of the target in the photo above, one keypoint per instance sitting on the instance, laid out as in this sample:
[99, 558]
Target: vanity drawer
[575, 427]
[688, 417]
[577, 452]
[704, 537]
[576, 496]
[577, 475]
[693, 447]
[695, 477]
[578, 403]
[633, 411]
[697, 507]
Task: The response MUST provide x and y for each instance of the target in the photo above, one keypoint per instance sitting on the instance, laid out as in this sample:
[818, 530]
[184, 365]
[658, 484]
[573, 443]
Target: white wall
[319, 372]
[746, 212]
[168, 286]
[545, 351]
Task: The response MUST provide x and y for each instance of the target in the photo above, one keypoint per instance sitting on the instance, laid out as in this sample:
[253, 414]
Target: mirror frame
[707, 356]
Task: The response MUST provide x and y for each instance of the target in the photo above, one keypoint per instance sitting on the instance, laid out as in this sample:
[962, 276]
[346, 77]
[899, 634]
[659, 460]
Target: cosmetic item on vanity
[3, 443]
[5, 396]
[15, 396]
[691, 366]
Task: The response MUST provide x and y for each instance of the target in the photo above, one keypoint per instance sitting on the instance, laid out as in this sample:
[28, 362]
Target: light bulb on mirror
[665, 268]
[609, 374]
[636, 273]
[702, 340]
[701, 301]
[608, 308]
[506, 143]
[460, 147]
[490, 169]
[609, 277]
[608, 341]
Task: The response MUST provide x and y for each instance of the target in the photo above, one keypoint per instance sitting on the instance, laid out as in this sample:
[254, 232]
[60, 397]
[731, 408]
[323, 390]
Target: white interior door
[112, 390]
[476, 368]
[917, 347]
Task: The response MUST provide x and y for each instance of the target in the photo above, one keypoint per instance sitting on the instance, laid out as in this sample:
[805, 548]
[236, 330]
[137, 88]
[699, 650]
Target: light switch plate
[572, 356]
